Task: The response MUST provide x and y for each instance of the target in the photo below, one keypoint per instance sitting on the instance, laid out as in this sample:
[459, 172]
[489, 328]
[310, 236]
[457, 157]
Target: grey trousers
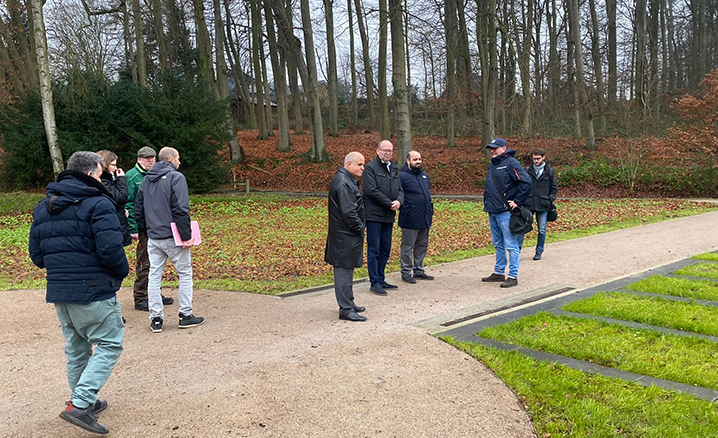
[414, 244]
[159, 251]
[343, 289]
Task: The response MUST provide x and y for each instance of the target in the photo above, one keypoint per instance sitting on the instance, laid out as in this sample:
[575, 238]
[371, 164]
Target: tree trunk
[141, 59]
[204, 47]
[612, 55]
[318, 153]
[554, 66]
[265, 82]
[524, 48]
[129, 49]
[640, 53]
[451, 42]
[259, 93]
[653, 78]
[355, 107]
[571, 73]
[280, 79]
[673, 55]
[486, 35]
[333, 85]
[293, 68]
[385, 128]
[43, 64]
[580, 76]
[240, 82]
[463, 59]
[598, 71]
[160, 34]
[367, 65]
[401, 93]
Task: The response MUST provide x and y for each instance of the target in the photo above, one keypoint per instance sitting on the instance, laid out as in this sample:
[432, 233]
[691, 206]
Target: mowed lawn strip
[267, 243]
[677, 287]
[656, 311]
[569, 403]
[686, 360]
[708, 256]
[707, 270]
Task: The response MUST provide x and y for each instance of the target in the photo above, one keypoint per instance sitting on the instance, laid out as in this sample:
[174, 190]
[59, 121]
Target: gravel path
[264, 366]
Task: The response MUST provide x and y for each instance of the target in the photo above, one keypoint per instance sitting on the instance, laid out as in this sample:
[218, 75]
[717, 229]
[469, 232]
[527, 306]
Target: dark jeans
[142, 269]
[378, 247]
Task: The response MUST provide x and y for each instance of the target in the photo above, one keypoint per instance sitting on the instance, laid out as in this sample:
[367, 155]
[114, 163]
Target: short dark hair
[84, 162]
[539, 151]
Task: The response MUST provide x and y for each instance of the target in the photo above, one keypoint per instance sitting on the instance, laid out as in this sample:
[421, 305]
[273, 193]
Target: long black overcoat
[345, 236]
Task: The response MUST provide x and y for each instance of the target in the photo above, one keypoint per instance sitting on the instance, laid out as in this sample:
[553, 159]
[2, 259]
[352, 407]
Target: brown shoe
[494, 278]
[510, 282]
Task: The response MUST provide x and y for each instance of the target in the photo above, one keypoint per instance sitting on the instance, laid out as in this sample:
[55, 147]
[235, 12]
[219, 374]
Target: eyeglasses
[386, 151]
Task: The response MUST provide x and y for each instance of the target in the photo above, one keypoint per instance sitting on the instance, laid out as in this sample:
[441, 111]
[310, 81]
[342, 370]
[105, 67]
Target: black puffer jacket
[381, 187]
[345, 238]
[544, 189]
[118, 192]
[76, 236]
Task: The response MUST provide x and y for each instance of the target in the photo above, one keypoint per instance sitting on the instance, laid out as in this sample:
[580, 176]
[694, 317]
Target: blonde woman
[113, 178]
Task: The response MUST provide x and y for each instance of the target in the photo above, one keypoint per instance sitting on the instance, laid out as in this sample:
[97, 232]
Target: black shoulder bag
[521, 217]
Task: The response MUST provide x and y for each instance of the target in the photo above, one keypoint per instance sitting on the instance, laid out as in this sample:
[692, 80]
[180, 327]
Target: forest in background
[122, 74]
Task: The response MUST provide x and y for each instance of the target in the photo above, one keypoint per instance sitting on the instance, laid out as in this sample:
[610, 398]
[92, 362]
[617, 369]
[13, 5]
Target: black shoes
[408, 279]
[537, 256]
[156, 324]
[423, 276]
[359, 309]
[510, 282]
[386, 285]
[378, 290]
[352, 316]
[144, 305]
[84, 418]
[494, 278]
[99, 406]
[187, 321]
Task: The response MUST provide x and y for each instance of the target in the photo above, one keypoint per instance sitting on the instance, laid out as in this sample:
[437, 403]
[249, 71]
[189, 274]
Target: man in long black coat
[345, 237]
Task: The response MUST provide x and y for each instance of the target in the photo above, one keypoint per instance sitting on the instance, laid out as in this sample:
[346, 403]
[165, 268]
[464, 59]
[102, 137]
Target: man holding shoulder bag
[542, 197]
[507, 187]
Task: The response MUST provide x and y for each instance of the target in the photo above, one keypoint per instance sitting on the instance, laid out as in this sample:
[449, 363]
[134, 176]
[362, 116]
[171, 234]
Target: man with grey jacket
[163, 198]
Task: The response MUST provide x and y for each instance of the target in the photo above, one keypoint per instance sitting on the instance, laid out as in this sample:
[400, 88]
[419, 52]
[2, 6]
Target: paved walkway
[265, 366]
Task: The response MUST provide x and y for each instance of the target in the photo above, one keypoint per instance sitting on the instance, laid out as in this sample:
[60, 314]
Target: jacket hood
[159, 170]
[508, 153]
[72, 187]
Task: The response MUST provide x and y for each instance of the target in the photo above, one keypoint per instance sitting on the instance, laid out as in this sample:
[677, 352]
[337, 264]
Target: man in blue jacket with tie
[415, 218]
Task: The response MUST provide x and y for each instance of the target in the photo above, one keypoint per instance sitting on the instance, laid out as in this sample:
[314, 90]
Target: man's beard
[418, 166]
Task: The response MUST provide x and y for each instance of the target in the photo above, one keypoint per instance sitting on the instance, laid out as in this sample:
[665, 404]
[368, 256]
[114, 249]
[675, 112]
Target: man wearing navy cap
[504, 175]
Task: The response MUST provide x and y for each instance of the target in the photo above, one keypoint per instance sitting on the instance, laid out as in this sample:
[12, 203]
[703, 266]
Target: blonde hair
[108, 157]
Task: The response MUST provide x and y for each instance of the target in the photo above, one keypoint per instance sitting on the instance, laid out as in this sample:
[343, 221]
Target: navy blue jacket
[417, 210]
[512, 177]
[76, 236]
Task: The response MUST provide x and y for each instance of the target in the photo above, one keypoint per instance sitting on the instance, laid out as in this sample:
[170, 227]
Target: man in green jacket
[145, 160]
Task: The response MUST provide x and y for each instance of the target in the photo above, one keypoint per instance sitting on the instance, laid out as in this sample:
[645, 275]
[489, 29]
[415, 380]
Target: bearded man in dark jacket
[76, 236]
[415, 217]
[345, 236]
[514, 183]
[543, 195]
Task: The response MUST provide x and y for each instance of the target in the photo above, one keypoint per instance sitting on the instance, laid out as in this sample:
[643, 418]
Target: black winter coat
[381, 187]
[512, 177]
[544, 189]
[345, 237]
[417, 210]
[75, 235]
[118, 192]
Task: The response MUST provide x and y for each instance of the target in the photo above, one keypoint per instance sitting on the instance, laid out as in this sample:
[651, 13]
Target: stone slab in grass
[679, 287]
[686, 360]
[707, 270]
[650, 310]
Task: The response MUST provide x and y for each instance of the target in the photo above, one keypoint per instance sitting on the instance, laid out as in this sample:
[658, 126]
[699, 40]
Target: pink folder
[196, 236]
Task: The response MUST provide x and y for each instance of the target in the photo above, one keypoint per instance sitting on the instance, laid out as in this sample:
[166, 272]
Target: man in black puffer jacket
[75, 235]
[542, 196]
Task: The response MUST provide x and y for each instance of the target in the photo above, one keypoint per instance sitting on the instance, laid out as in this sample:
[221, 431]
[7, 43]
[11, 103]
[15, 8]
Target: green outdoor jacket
[134, 179]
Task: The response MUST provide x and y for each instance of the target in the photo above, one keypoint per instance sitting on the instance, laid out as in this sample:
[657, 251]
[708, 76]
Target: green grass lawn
[679, 287]
[707, 270]
[709, 256]
[656, 311]
[567, 403]
[271, 244]
[681, 359]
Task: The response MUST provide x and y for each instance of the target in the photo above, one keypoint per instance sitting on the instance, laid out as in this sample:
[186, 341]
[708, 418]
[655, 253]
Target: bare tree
[580, 75]
[598, 71]
[367, 64]
[401, 92]
[381, 72]
[141, 56]
[277, 55]
[355, 109]
[259, 93]
[332, 70]
[451, 48]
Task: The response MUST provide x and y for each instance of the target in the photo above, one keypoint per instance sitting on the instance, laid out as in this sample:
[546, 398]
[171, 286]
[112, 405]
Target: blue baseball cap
[497, 143]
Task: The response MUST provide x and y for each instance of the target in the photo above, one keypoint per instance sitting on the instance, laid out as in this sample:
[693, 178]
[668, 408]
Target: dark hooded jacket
[417, 210]
[345, 238]
[75, 235]
[544, 190]
[163, 198]
[381, 187]
[512, 177]
[118, 192]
